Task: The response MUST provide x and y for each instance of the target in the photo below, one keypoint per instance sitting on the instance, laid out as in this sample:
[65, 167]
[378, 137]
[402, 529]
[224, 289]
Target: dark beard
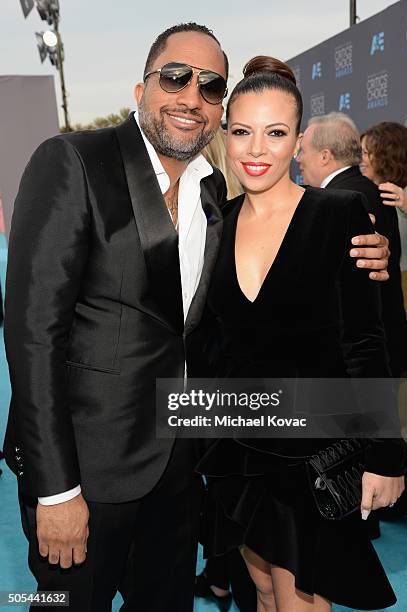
[166, 144]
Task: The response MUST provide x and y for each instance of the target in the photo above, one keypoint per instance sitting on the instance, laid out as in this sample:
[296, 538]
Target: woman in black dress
[276, 321]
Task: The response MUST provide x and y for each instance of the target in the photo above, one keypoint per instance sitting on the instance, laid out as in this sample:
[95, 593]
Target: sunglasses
[175, 77]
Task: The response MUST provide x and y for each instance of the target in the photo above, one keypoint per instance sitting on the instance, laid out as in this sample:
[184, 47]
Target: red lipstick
[255, 168]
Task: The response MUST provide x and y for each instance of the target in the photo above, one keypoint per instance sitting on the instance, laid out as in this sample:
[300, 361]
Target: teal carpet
[14, 573]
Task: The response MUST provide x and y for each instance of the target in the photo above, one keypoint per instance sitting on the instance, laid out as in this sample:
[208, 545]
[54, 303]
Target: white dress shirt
[329, 178]
[191, 243]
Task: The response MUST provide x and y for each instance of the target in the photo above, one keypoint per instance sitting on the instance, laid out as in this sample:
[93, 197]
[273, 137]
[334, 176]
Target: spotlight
[50, 38]
[49, 44]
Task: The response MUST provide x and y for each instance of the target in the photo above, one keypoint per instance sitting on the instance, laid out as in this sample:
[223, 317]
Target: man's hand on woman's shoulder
[372, 252]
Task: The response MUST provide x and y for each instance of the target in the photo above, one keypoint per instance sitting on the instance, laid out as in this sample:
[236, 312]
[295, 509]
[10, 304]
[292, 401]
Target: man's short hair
[160, 42]
[338, 133]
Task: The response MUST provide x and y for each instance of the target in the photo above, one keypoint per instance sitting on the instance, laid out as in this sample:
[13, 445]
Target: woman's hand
[393, 195]
[379, 492]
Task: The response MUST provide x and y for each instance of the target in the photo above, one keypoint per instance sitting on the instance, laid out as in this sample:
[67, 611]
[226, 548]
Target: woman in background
[215, 154]
[393, 195]
[384, 161]
[384, 148]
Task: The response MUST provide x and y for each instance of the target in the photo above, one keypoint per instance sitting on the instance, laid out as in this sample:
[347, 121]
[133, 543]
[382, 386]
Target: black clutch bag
[335, 478]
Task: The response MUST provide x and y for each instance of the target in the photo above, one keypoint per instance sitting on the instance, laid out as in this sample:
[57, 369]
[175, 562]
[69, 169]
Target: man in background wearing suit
[329, 157]
[114, 237]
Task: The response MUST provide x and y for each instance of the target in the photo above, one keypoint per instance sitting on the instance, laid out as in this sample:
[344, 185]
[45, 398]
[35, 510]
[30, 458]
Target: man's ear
[138, 92]
[325, 157]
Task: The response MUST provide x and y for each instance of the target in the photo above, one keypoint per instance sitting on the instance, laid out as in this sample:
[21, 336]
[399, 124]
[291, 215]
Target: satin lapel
[213, 235]
[158, 238]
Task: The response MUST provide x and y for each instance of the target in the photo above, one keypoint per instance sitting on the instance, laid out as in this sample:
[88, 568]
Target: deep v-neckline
[278, 253]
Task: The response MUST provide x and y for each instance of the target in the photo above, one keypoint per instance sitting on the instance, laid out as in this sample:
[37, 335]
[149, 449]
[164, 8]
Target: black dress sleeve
[363, 336]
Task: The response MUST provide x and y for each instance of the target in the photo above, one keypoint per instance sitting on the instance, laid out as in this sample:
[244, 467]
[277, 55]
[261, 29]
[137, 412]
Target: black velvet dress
[316, 315]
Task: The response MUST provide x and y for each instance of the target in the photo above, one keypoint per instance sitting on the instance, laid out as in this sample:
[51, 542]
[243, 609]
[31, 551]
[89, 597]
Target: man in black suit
[103, 297]
[114, 237]
[329, 157]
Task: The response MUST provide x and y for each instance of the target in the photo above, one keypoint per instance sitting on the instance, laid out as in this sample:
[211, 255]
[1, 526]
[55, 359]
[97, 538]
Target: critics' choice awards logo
[344, 101]
[317, 104]
[316, 70]
[377, 43]
[377, 87]
[343, 60]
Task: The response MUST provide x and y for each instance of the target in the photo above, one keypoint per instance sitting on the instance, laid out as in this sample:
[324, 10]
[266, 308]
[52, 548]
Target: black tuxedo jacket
[393, 313]
[94, 314]
[353, 179]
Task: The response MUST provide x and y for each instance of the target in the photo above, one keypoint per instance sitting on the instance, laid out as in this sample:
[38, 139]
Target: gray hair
[338, 133]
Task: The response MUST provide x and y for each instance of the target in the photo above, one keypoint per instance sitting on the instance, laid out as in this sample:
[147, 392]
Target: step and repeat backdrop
[361, 71]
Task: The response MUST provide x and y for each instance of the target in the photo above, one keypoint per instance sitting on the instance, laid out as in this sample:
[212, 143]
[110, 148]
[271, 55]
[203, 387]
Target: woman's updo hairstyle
[262, 73]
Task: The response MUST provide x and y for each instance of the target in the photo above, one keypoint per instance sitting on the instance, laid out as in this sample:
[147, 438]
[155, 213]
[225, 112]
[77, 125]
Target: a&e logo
[377, 43]
[344, 101]
[316, 70]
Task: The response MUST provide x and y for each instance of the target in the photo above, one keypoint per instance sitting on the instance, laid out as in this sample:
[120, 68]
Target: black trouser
[146, 549]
